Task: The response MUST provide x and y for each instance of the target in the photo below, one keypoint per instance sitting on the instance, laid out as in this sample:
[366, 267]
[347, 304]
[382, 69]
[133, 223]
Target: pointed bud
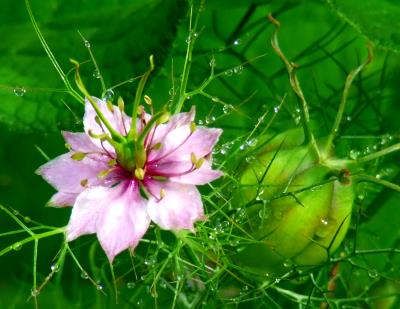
[139, 173]
[78, 156]
[148, 100]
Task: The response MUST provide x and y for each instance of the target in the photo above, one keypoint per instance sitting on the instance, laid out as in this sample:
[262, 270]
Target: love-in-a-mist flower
[119, 177]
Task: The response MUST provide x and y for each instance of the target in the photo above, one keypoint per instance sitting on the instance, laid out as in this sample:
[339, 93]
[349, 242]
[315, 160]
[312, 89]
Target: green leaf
[122, 35]
[378, 20]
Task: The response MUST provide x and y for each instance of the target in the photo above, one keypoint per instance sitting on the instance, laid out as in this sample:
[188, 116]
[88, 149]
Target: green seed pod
[298, 209]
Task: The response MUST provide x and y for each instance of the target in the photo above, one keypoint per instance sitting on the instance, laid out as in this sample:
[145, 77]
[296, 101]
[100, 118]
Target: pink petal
[63, 199]
[179, 172]
[116, 120]
[201, 176]
[178, 209]
[124, 222]
[66, 174]
[80, 142]
[118, 216]
[179, 144]
[176, 120]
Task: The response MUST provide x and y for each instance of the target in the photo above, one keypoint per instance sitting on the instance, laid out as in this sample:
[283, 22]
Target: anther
[199, 163]
[78, 156]
[110, 106]
[162, 193]
[148, 100]
[121, 104]
[139, 173]
[84, 182]
[103, 174]
[192, 127]
[193, 158]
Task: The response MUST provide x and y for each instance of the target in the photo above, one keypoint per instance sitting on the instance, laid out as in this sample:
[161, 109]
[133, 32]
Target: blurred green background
[326, 38]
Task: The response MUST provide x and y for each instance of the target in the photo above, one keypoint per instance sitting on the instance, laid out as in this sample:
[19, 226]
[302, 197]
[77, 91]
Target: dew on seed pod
[19, 91]
[227, 108]
[288, 263]
[87, 44]
[130, 285]
[243, 146]
[250, 159]
[276, 109]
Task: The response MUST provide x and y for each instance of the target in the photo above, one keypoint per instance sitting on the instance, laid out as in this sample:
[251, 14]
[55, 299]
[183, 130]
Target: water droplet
[151, 260]
[237, 42]
[227, 108]
[35, 292]
[210, 119]
[361, 196]
[324, 222]
[87, 44]
[200, 122]
[163, 284]
[96, 74]
[188, 97]
[378, 176]
[229, 72]
[252, 142]
[55, 268]
[17, 246]
[372, 273]
[288, 263]
[191, 37]
[130, 285]
[19, 91]
[277, 280]
[354, 154]
[139, 302]
[213, 63]
[234, 242]
[250, 159]
[238, 70]
[264, 213]
[108, 95]
[99, 287]
[27, 219]
[349, 119]
[243, 146]
[84, 275]
[276, 109]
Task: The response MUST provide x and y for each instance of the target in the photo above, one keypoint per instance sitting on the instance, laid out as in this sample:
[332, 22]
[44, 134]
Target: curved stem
[349, 80]
[380, 153]
[53, 60]
[294, 82]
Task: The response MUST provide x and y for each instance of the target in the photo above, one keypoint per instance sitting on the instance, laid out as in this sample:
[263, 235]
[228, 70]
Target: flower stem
[49, 53]
[294, 82]
[138, 96]
[385, 183]
[380, 153]
[349, 80]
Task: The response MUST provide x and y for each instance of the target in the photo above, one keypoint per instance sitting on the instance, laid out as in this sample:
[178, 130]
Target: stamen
[110, 106]
[199, 163]
[121, 107]
[78, 156]
[162, 193]
[103, 174]
[84, 183]
[139, 173]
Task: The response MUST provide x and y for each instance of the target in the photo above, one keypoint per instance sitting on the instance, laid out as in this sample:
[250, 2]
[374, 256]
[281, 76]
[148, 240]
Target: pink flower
[117, 182]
